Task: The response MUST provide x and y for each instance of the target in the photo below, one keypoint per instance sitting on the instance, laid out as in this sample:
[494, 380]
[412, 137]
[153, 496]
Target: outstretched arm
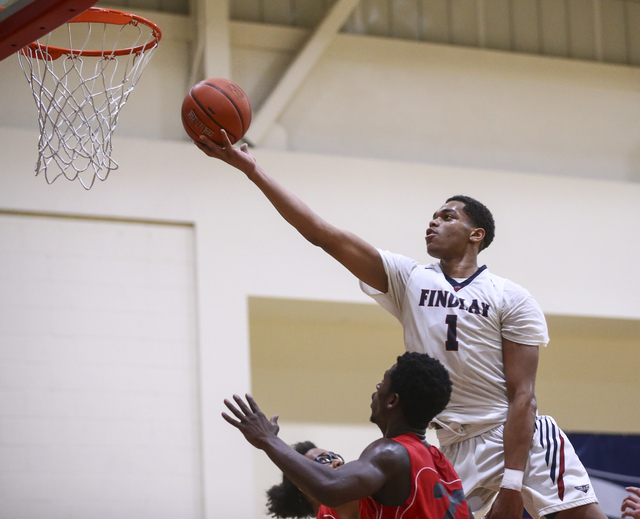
[357, 255]
[520, 366]
[381, 462]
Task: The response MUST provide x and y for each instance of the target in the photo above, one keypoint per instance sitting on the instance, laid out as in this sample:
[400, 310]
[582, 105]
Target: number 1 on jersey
[452, 332]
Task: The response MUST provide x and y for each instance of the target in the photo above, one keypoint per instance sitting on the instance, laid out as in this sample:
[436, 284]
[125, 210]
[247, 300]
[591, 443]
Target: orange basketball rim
[104, 16]
[79, 97]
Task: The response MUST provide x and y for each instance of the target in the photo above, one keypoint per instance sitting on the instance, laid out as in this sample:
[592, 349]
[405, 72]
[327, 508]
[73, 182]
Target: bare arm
[381, 462]
[520, 365]
[357, 255]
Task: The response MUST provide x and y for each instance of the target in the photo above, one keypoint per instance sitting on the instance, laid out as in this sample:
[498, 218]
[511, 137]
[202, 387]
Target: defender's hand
[508, 505]
[251, 422]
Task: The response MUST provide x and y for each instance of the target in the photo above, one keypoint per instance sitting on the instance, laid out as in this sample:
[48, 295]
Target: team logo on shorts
[583, 488]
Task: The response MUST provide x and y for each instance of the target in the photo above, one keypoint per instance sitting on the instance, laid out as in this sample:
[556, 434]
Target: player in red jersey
[399, 473]
[436, 487]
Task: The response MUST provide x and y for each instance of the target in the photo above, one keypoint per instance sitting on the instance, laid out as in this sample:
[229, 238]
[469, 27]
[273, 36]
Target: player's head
[479, 215]
[285, 500]
[423, 386]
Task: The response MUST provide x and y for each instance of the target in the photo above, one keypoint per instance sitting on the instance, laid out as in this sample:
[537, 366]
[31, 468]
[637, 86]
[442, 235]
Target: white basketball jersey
[462, 323]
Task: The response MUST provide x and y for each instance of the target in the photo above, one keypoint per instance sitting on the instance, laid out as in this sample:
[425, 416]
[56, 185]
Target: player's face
[325, 457]
[379, 397]
[449, 231]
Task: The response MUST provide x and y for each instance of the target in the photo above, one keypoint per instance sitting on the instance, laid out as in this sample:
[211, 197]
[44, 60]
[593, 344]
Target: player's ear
[477, 234]
[393, 401]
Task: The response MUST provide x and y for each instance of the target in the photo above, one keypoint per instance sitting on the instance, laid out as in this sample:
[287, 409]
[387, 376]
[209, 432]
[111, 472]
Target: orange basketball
[215, 104]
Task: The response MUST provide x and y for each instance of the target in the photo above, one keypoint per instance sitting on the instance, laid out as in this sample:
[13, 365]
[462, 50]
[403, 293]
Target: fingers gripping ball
[215, 104]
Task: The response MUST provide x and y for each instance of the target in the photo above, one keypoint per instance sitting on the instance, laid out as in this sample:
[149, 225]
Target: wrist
[512, 479]
[251, 170]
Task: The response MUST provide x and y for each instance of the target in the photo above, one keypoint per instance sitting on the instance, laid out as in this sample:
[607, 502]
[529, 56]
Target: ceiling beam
[212, 57]
[299, 70]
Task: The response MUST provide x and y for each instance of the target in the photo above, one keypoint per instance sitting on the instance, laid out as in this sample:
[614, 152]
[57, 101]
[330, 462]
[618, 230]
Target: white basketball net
[79, 97]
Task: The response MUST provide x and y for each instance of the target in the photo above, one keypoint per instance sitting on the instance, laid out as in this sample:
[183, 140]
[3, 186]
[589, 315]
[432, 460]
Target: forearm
[518, 430]
[322, 483]
[520, 364]
[354, 253]
[313, 479]
[292, 209]
[311, 226]
[358, 256]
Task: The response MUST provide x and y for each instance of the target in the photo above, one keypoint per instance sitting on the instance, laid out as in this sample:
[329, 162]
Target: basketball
[213, 105]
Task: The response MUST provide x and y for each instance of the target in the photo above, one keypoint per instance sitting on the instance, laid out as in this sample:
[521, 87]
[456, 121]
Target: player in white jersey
[488, 431]
[465, 323]
[462, 323]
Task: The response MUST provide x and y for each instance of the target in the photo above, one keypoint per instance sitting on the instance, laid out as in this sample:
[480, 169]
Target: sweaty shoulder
[392, 462]
[385, 451]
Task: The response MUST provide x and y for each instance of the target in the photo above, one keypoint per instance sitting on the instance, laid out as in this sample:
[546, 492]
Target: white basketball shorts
[554, 478]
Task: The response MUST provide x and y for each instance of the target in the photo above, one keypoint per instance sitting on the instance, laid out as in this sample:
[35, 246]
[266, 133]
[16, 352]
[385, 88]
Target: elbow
[315, 240]
[525, 401]
[532, 402]
[533, 407]
[326, 243]
[526, 397]
[529, 404]
[326, 237]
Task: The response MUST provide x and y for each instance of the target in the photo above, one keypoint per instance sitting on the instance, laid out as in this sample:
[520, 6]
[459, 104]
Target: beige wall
[588, 376]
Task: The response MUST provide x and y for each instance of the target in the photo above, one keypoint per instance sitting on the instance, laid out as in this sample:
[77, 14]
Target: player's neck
[400, 428]
[459, 268]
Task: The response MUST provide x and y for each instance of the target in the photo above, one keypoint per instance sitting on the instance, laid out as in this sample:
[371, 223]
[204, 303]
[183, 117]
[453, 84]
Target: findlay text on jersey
[446, 299]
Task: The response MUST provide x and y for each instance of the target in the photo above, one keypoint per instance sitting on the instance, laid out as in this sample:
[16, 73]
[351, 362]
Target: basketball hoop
[79, 92]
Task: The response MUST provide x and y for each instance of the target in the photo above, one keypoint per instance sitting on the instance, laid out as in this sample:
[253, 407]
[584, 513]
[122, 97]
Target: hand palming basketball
[213, 105]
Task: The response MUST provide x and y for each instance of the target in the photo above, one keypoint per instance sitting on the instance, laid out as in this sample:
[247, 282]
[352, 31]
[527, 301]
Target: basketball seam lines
[211, 118]
[231, 101]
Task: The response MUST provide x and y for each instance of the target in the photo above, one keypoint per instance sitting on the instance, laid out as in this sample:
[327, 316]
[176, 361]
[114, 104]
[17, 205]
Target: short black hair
[285, 500]
[479, 215]
[423, 385]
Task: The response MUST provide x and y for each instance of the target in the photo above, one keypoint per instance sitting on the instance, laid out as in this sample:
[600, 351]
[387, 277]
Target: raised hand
[239, 158]
[631, 503]
[251, 422]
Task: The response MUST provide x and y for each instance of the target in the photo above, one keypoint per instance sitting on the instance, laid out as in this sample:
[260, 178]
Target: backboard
[24, 21]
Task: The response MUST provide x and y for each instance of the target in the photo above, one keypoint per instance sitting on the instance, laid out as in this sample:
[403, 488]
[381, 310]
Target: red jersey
[436, 489]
